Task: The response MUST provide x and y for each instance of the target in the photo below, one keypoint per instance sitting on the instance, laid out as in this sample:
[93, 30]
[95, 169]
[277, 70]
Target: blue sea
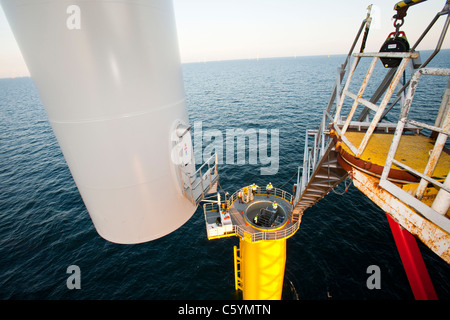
[45, 228]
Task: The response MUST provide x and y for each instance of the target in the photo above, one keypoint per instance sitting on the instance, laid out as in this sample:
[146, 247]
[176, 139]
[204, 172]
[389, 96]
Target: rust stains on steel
[427, 232]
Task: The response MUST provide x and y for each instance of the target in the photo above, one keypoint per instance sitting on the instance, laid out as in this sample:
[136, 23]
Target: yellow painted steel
[225, 235]
[413, 151]
[237, 269]
[406, 3]
[262, 269]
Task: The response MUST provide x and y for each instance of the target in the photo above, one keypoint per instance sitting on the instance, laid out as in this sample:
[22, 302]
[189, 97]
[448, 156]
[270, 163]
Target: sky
[211, 30]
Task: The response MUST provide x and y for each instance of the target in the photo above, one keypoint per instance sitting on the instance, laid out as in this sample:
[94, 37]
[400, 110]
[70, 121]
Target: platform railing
[313, 155]
[255, 236]
[263, 190]
[436, 212]
[358, 100]
[202, 180]
[272, 235]
[268, 235]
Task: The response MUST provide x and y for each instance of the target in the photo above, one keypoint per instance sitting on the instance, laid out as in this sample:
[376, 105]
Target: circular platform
[271, 224]
[237, 213]
[261, 215]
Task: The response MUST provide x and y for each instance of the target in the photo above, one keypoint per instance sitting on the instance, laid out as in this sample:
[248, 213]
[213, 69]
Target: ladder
[237, 269]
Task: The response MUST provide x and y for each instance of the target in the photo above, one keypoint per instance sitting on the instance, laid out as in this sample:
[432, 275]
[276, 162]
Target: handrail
[316, 152]
[341, 70]
[195, 183]
[358, 151]
[321, 138]
[275, 191]
[313, 154]
[207, 162]
[438, 209]
[338, 96]
[261, 235]
[442, 128]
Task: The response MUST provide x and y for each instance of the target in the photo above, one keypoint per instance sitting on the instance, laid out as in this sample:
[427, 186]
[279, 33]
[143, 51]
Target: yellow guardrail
[238, 230]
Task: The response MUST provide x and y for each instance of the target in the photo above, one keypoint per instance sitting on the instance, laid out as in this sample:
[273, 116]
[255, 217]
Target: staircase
[321, 172]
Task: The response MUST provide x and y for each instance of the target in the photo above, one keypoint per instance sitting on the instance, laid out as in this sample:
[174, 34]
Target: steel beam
[416, 271]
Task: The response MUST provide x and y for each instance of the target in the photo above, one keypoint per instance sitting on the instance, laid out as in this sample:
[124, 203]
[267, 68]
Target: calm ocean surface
[44, 225]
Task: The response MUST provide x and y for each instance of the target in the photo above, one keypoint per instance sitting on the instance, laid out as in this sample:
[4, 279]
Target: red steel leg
[415, 268]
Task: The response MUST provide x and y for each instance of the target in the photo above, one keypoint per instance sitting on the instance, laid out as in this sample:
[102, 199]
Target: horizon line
[245, 59]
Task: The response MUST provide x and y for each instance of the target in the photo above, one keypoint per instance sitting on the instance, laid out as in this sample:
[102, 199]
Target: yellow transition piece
[263, 265]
